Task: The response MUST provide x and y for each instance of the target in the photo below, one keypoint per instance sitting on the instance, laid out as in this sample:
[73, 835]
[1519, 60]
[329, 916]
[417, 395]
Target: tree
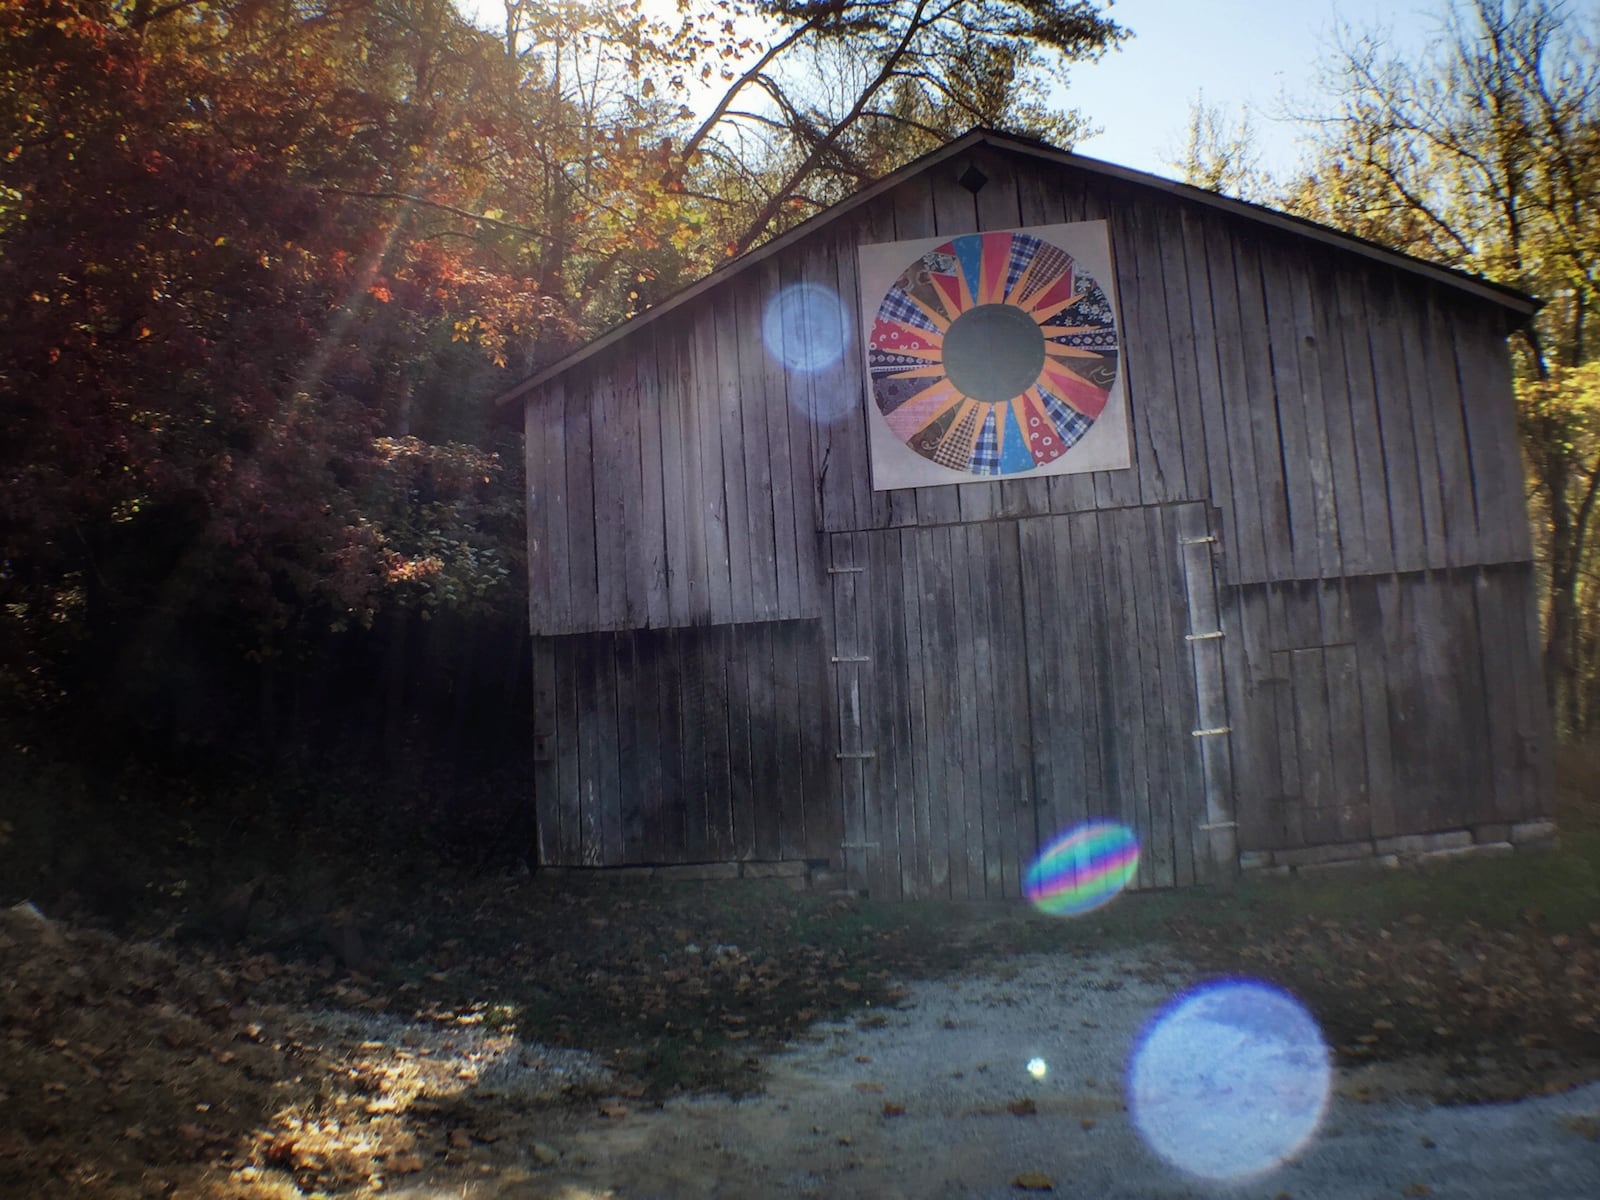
[901, 76]
[234, 239]
[1485, 155]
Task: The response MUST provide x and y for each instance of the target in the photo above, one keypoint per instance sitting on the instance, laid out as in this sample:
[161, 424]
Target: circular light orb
[1037, 1068]
[1082, 869]
[804, 327]
[1229, 1079]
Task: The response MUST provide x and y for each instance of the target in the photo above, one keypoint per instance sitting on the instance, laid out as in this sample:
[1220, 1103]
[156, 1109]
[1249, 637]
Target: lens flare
[804, 327]
[1083, 869]
[1229, 1080]
[1037, 1068]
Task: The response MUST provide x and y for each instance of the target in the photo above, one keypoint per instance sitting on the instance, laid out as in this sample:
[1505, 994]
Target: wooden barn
[1019, 490]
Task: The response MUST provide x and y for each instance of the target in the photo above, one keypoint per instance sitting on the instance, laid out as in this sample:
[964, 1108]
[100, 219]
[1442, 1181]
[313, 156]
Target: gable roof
[1519, 304]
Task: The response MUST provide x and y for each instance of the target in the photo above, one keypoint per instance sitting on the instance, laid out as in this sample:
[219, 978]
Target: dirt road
[934, 1099]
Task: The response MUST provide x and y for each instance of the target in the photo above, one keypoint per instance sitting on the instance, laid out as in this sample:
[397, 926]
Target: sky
[1238, 54]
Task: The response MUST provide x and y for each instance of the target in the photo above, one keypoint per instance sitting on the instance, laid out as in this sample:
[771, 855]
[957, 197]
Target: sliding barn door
[999, 683]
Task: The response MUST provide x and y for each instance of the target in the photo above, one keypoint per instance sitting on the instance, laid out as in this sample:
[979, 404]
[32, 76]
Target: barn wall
[684, 745]
[1345, 428]
[1344, 419]
[1386, 705]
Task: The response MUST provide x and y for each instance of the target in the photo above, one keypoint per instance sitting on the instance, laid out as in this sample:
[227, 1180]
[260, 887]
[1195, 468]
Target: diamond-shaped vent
[973, 180]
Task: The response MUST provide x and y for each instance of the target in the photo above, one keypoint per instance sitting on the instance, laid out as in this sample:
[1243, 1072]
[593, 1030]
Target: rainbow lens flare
[1083, 869]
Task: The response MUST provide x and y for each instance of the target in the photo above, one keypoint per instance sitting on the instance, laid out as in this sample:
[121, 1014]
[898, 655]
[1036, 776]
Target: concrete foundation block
[1310, 855]
[1254, 860]
[1483, 850]
[1498, 832]
[1378, 862]
[1425, 843]
[1533, 831]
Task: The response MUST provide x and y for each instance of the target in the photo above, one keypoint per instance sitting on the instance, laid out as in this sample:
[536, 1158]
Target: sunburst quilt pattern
[993, 355]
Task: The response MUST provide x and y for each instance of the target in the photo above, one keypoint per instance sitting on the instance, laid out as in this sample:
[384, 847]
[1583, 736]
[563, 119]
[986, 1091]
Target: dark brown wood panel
[686, 745]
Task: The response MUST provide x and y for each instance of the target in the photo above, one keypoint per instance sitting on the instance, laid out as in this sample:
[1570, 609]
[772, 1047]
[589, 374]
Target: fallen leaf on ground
[459, 1139]
[1024, 1107]
[893, 1110]
[1034, 1181]
[613, 1110]
[865, 1088]
[405, 1164]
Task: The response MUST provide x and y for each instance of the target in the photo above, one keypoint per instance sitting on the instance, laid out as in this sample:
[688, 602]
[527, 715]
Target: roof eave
[1519, 305]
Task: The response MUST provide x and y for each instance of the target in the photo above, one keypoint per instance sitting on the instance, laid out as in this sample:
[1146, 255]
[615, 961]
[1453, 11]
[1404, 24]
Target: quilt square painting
[993, 356]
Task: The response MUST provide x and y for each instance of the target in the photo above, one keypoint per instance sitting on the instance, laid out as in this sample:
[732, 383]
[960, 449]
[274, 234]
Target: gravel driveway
[954, 1058]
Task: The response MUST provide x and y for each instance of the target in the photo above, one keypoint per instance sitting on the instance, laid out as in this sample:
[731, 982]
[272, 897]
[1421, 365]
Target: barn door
[998, 683]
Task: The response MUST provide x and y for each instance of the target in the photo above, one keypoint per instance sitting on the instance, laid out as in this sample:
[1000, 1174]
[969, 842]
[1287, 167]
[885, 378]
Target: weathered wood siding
[686, 745]
[1342, 429]
[1384, 705]
[998, 683]
[1343, 419]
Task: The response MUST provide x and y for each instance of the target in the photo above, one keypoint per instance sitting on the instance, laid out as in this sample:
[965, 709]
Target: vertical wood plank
[1055, 747]
[1484, 367]
[1147, 357]
[568, 765]
[679, 481]
[704, 394]
[717, 650]
[626, 444]
[1126, 671]
[609, 459]
[1090, 689]
[739, 715]
[1164, 238]
[753, 404]
[889, 778]
[1373, 686]
[729, 419]
[581, 578]
[652, 533]
[1142, 536]
[1265, 435]
[1309, 355]
[1289, 398]
[1247, 551]
[864, 677]
[1393, 403]
[972, 693]
[791, 709]
[696, 712]
[538, 506]
[838, 423]
[769, 773]
[870, 509]
[632, 752]
[546, 774]
[793, 534]
[916, 862]
[1449, 434]
[1329, 334]
[824, 827]
[939, 702]
[1366, 425]
[1018, 836]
